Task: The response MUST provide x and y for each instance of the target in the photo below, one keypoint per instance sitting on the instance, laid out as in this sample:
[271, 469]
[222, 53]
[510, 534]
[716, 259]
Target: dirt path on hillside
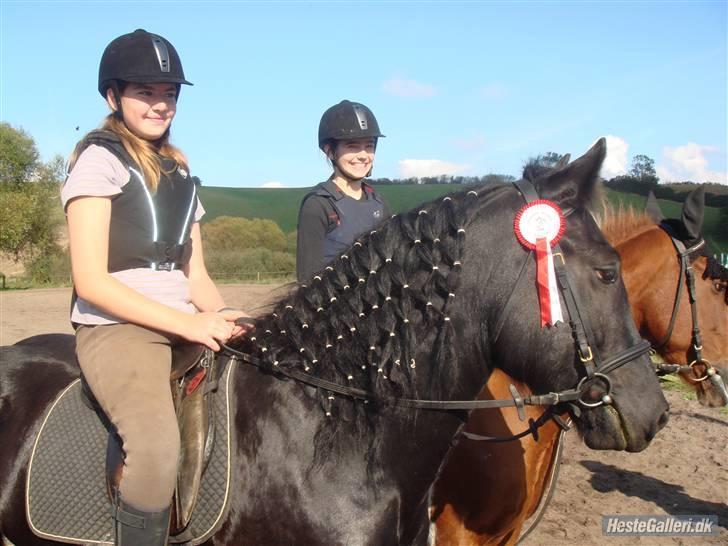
[684, 471]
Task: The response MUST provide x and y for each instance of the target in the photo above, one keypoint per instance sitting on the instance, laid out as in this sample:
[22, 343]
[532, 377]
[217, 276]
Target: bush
[49, 268]
[250, 264]
[232, 233]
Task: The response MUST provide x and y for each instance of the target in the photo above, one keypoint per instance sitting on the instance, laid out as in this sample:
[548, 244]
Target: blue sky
[458, 87]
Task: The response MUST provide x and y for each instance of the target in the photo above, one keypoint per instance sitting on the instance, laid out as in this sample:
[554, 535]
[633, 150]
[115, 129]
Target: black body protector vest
[149, 229]
[352, 217]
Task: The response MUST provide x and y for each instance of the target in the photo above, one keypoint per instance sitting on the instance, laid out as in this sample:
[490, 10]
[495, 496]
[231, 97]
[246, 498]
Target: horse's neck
[642, 257]
[650, 274]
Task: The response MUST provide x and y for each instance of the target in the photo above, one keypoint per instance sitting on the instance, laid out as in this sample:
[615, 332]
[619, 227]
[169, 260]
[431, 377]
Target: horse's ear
[652, 208]
[692, 212]
[572, 185]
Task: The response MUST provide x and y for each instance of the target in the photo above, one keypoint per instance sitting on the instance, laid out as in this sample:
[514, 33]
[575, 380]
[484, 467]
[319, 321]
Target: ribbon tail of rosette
[556, 313]
[543, 254]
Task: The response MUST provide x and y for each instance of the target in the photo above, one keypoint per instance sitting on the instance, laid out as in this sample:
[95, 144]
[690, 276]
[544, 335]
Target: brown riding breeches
[127, 368]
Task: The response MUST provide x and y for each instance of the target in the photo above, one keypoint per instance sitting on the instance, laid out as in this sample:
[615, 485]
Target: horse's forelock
[536, 172]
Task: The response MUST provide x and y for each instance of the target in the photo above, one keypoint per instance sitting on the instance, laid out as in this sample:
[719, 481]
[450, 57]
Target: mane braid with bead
[360, 320]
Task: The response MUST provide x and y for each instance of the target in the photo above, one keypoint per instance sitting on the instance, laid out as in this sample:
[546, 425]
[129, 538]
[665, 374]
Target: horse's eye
[607, 275]
[719, 286]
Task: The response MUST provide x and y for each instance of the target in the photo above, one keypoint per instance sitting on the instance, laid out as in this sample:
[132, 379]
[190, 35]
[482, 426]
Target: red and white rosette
[539, 225]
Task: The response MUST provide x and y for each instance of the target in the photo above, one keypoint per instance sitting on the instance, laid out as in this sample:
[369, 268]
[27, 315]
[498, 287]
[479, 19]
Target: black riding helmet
[139, 57]
[347, 121]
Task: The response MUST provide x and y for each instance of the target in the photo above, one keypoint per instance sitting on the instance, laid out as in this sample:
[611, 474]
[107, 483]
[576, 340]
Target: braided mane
[361, 320]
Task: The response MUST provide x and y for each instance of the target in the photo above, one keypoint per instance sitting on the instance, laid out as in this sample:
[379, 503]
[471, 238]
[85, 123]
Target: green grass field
[281, 205]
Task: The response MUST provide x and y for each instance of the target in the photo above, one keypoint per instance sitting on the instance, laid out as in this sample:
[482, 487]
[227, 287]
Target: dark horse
[477, 504]
[408, 312]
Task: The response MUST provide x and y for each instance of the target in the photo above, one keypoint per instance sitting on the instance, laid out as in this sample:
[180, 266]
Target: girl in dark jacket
[337, 211]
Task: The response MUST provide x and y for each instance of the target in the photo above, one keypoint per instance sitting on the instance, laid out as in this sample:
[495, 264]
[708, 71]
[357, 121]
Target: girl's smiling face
[148, 108]
[354, 158]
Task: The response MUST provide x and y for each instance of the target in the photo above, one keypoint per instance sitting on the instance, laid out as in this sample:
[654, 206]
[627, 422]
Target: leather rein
[584, 339]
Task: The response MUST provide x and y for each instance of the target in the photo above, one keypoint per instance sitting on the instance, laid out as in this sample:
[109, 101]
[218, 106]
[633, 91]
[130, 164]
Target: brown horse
[651, 276]
[475, 502]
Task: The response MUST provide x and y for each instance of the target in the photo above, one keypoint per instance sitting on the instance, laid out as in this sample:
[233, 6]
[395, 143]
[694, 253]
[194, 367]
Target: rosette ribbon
[539, 226]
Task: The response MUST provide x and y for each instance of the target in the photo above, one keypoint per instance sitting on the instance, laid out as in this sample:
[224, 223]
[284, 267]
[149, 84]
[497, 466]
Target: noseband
[686, 272]
[595, 367]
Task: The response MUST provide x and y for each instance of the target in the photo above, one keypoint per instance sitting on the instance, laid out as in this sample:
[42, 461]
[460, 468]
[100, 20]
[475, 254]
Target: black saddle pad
[66, 496]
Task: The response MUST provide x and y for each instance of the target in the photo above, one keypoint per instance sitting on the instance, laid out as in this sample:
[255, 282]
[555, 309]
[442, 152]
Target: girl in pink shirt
[138, 271]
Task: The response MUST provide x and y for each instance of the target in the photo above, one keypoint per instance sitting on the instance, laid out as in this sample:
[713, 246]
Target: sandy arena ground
[684, 471]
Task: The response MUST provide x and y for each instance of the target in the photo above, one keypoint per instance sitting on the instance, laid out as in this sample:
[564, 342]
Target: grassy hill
[281, 205]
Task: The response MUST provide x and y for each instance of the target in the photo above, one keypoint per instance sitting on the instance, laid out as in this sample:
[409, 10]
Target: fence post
[258, 276]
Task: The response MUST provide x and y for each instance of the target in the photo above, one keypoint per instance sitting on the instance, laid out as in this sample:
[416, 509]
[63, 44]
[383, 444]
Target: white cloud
[272, 184]
[616, 161]
[400, 87]
[494, 91]
[428, 167]
[688, 162]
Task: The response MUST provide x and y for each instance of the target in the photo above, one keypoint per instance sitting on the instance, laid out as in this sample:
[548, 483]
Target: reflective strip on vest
[155, 231]
[153, 212]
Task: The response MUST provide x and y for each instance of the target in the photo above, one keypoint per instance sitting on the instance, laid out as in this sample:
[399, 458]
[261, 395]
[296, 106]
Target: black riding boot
[133, 527]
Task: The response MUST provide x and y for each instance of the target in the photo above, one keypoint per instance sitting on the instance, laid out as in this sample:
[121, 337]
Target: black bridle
[686, 272]
[595, 367]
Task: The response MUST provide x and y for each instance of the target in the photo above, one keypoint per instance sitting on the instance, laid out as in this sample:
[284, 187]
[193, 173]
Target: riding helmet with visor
[347, 121]
[140, 57]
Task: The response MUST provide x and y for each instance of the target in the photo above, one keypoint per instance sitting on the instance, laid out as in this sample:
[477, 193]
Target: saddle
[193, 378]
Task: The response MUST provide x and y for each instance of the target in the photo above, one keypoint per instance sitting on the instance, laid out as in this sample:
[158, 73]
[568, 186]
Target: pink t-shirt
[99, 173]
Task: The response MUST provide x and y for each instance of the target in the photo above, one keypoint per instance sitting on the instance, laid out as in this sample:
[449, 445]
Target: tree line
[641, 178]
